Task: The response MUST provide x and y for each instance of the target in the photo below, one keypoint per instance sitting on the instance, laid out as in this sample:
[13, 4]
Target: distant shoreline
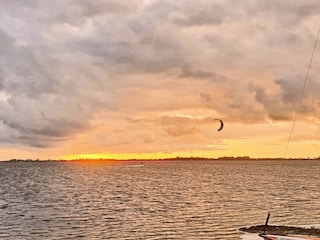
[245, 158]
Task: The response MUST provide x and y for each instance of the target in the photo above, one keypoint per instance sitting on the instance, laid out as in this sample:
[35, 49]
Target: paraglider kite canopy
[221, 124]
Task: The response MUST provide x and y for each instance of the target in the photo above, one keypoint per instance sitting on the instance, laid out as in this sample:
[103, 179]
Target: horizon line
[225, 158]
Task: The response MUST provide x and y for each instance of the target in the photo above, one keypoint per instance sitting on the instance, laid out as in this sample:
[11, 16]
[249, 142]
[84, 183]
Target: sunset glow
[146, 79]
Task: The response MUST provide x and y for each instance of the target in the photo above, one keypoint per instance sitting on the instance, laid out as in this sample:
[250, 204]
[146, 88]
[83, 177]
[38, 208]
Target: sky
[147, 78]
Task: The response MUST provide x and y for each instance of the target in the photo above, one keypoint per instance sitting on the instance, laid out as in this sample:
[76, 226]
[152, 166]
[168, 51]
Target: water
[161, 200]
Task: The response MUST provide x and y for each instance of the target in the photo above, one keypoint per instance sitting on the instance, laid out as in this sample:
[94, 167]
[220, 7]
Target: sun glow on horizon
[129, 156]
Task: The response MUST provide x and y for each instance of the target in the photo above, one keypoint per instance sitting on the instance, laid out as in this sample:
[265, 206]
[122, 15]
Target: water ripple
[168, 200]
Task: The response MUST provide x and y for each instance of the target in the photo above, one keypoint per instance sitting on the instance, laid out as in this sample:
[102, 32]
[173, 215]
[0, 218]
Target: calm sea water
[161, 200]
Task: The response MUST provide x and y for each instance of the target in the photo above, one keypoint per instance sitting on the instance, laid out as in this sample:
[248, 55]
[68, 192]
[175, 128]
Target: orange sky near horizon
[261, 146]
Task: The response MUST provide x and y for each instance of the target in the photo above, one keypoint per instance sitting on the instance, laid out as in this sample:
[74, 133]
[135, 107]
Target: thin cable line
[295, 119]
[301, 96]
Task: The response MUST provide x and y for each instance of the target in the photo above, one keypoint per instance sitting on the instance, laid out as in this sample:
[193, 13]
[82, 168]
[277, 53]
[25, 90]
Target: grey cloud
[211, 13]
[231, 99]
[1, 79]
[188, 72]
[77, 12]
[178, 126]
[283, 105]
[206, 97]
[178, 130]
[274, 108]
[23, 74]
[52, 128]
[35, 126]
[6, 44]
[290, 89]
[202, 17]
[92, 8]
[285, 40]
[140, 43]
[49, 98]
[38, 108]
[20, 3]
[114, 53]
[287, 12]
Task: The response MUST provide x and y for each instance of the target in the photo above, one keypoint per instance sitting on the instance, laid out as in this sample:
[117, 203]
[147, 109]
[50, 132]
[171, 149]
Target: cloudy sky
[147, 78]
